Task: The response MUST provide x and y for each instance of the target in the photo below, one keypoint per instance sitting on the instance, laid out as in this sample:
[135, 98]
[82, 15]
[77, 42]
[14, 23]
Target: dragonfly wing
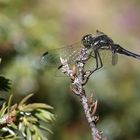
[114, 58]
[51, 58]
[106, 56]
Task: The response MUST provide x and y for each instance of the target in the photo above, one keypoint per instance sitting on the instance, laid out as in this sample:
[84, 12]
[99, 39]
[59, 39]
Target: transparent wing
[106, 57]
[51, 58]
[114, 58]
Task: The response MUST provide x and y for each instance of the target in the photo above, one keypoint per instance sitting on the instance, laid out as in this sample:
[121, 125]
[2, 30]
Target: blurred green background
[28, 28]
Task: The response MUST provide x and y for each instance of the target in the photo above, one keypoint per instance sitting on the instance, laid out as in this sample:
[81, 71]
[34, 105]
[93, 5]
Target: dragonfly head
[87, 40]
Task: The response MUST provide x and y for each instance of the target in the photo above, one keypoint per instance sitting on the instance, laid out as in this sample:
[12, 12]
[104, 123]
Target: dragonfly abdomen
[121, 50]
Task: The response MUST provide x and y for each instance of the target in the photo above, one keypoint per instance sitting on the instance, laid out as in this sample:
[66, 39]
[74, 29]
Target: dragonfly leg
[99, 63]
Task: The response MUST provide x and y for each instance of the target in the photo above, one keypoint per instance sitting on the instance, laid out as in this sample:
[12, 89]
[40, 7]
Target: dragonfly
[95, 44]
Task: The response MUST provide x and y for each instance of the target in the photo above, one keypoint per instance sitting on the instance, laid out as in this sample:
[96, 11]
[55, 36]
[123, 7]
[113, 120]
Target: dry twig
[79, 78]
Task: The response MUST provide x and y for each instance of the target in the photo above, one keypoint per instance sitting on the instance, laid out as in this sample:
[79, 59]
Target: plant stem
[79, 79]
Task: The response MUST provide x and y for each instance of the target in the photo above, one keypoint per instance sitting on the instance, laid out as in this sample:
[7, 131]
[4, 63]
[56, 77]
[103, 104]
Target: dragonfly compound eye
[87, 40]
